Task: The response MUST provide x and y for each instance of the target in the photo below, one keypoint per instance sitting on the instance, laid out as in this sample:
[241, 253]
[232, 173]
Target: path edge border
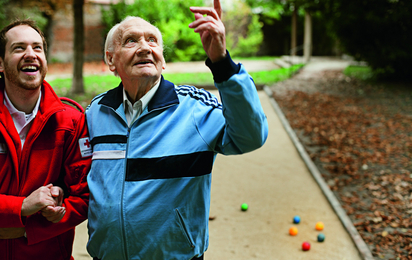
[360, 244]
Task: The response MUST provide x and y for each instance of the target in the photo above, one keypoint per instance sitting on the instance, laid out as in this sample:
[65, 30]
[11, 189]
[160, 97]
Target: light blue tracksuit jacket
[150, 183]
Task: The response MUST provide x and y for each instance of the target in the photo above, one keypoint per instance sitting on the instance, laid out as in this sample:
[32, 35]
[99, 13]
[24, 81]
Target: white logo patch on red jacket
[85, 147]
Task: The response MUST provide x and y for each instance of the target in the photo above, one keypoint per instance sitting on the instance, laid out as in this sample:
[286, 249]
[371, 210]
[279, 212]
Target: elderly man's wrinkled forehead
[137, 24]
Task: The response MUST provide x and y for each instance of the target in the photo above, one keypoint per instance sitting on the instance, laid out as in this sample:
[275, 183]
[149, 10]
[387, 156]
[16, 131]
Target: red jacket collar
[49, 103]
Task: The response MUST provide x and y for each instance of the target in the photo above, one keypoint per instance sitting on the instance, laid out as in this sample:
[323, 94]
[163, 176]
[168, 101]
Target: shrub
[243, 31]
[376, 31]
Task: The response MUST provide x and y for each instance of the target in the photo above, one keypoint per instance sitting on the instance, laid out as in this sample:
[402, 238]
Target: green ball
[321, 237]
[244, 207]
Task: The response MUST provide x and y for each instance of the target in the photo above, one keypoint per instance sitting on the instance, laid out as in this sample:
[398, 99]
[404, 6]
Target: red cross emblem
[85, 147]
[87, 143]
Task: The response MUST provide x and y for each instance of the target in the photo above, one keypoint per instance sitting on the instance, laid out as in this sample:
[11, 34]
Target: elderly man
[42, 153]
[154, 143]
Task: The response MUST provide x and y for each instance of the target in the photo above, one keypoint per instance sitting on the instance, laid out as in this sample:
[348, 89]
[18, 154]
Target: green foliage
[269, 9]
[376, 31]
[273, 76]
[197, 79]
[276, 16]
[243, 31]
[172, 17]
[94, 84]
[9, 12]
[262, 58]
[360, 72]
[2, 12]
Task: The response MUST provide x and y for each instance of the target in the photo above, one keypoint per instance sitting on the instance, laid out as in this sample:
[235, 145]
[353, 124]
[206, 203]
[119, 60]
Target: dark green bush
[243, 31]
[376, 31]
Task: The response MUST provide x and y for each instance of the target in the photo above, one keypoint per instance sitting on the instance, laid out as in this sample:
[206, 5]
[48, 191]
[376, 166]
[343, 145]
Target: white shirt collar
[13, 110]
[133, 111]
[22, 121]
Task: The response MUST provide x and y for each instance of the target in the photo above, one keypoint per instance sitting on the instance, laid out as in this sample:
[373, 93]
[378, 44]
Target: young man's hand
[56, 213]
[47, 199]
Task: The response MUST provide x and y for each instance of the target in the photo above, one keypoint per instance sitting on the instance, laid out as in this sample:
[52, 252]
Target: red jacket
[51, 154]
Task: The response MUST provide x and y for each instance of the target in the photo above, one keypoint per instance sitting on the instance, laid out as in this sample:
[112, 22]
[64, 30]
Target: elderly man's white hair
[110, 44]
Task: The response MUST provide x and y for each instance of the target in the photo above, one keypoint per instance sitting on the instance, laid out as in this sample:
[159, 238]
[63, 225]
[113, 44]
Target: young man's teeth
[29, 68]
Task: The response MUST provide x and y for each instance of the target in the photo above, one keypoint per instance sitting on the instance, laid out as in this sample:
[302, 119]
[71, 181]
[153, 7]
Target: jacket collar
[164, 96]
[49, 103]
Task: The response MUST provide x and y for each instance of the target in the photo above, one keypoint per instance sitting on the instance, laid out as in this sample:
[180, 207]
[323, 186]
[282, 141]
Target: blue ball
[296, 220]
[321, 237]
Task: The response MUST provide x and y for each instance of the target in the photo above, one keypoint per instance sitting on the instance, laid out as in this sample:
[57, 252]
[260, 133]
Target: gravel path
[359, 134]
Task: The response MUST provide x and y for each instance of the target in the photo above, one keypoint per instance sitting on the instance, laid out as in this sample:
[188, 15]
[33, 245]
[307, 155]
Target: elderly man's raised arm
[246, 127]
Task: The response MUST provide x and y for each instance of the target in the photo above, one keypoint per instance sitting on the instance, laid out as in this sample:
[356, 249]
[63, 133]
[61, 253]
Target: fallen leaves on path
[360, 137]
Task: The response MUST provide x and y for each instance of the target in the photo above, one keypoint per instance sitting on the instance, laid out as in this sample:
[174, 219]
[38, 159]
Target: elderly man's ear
[109, 60]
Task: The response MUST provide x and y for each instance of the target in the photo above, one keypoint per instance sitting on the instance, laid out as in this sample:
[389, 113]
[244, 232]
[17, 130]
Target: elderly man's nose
[144, 48]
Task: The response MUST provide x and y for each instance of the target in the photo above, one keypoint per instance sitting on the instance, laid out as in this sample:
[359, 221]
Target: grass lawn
[360, 72]
[96, 84]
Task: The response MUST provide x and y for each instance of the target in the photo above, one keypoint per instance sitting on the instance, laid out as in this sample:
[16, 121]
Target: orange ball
[293, 231]
[319, 226]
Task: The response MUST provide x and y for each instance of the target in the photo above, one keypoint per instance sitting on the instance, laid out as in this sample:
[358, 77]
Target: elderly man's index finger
[218, 8]
[205, 11]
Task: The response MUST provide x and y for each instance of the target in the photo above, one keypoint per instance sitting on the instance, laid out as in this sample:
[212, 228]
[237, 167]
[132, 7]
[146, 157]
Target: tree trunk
[307, 49]
[78, 47]
[48, 34]
[293, 41]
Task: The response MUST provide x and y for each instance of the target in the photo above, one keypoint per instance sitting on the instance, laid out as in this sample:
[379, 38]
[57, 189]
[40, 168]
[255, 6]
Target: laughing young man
[44, 158]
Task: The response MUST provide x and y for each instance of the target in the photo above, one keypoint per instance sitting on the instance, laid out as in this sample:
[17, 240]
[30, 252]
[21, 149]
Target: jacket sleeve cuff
[10, 211]
[224, 69]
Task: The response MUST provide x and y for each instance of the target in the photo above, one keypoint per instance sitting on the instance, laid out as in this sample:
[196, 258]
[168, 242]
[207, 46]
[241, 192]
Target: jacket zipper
[121, 205]
[124, 182]
[23, 155]
[122, 226]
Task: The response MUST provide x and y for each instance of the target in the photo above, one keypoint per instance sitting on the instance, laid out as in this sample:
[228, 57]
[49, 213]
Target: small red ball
[305, 246]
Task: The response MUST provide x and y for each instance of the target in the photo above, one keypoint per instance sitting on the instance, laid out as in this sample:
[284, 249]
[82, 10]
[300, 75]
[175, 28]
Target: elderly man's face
[138, 53]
